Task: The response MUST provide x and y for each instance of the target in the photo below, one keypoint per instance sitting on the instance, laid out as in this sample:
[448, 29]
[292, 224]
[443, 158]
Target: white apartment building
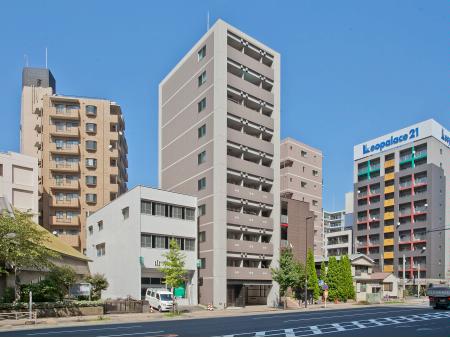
[126, 240]
[19, 181]
[338, 234]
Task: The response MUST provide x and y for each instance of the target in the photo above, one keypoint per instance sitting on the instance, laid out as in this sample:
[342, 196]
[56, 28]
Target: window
[201, 184]
[363, 287]
[388, 287]
[190, 214]
[202, 131]
[159, 209]
[100, 249]
[304, 153]
[303, 184]
[202, 236]
[201, 158]
[145, 280]
[91, 230]
[160, 242]
[100, 225]
[1, 169]
[91, 145]
[202, 78]
[201, 105]
[91, 128]
[91, 110]
[202, 210]
[315, 203]
[315, 172]
[91, 180]
[146, 241]
[189, 244]
[146, 207]
[91, 198]
[177, 212]
[91, 163]
[126, 212]
[201, 53]
[202, 263]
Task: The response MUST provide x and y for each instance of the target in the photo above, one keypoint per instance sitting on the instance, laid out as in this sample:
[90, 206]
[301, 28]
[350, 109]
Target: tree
[173, 267]
[313, 281]
[98, 283]
[298, 280]
[62, 277]
[22, 245]
[333, 278]
[285, 275]
[346, 279]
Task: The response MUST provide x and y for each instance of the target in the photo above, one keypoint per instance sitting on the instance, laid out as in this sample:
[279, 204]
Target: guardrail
[19, 315]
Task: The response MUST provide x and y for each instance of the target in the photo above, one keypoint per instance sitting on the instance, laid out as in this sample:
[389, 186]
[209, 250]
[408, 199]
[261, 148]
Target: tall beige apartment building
[301, 179]
[81, 150]
[219, 122]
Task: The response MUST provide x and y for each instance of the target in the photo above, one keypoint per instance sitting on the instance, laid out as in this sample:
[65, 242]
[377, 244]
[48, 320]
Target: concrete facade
[338, 234]
[297, 227]
[401, 203]
[19, 181]
[219, 122]
[301, 179]
[81, 150]
[127, 238]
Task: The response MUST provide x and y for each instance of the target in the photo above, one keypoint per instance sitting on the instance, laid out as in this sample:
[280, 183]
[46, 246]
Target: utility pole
[404, 274]
[418, 280]
[306, 262]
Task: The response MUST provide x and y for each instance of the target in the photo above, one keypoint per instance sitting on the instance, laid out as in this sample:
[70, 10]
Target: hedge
[52, 305]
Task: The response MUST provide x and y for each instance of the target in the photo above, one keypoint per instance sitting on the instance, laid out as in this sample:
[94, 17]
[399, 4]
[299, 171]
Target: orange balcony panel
[389, 163]
[388, 190]
[389, 177]
[389, 241]
[388, 268]
[388, 228]
[388, 255]
[388, 215]
[389, 202]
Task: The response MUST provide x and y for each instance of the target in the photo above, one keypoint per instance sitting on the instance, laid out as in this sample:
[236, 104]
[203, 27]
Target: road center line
[133, 333]
[84, 330]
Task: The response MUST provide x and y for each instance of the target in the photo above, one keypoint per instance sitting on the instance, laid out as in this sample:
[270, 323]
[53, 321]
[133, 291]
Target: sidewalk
[193, 313]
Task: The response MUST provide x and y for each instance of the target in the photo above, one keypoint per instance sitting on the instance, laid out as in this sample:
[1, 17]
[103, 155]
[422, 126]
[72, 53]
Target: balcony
[250, 141]
[388, 255]
[72, 149]
[420, 154]
[249, 114]
[389, 203]
[255, 221]
[64, 166]
[388, 241]
[69, 132]
[404, 212]
[404, 239]
[388, 215]
[72, 240]
[70, 114]
[388, 177]
[249, 194]
[405, 158]
[72, 203]
[249, 247]
[389, 164]
[362, 219]
[388, 268]
[73, 221]
[420, 181]
[284, 219]
[249, 167]
[65, 184]
[250, 62]
[389, 190]
[250, 88]
[388, 228]
[248, 273]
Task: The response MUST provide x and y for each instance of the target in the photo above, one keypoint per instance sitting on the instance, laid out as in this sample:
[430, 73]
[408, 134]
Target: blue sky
[352, 70]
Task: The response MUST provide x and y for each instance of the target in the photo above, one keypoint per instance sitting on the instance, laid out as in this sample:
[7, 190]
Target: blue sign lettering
[393, 140]
[445, 138]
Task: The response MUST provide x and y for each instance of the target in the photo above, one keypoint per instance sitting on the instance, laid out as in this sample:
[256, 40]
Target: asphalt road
[398, 321]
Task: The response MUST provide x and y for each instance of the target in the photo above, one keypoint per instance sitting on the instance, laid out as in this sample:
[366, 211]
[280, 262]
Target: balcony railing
[420, 209]
[420, 154]
[404, 158]
[406, 184]
[421, 180]
[404, 212]
[284, 219]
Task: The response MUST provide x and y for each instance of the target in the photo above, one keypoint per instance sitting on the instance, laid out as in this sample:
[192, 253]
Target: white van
[160, 299]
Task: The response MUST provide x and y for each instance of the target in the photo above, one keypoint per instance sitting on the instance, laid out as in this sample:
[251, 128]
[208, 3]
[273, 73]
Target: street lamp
[306, 261]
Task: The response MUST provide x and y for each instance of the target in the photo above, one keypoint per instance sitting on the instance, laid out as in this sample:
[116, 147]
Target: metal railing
[32, 316]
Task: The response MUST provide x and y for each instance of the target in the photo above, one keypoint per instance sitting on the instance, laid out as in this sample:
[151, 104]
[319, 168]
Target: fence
[19, 315]
[126, 306]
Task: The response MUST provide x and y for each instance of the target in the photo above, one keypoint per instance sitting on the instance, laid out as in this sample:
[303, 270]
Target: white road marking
[346, 326]
[84, 330]
[133, 333]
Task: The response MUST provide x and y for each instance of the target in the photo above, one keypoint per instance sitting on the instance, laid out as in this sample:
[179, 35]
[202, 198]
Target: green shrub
[8, 295]
[50, 305]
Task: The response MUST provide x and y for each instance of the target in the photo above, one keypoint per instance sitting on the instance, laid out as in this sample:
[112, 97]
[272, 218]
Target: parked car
[439, 297]
[160, 299]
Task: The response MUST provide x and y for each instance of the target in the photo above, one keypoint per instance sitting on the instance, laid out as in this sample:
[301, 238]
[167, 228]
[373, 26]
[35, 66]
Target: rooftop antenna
[207, 22]
[46, 58]
[25, 56]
